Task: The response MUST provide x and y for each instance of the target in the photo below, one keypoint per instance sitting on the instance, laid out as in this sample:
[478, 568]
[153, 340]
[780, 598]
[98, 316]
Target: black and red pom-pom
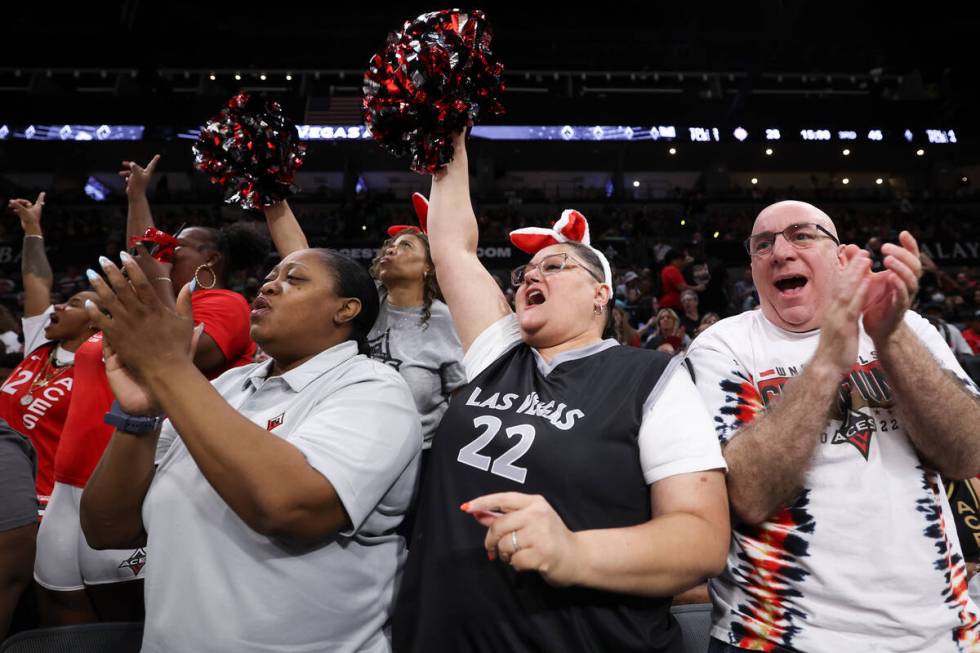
[252, 149]
[433, 78]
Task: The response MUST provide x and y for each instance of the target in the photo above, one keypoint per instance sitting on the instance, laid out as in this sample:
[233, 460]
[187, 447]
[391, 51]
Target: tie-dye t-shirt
[866, 557]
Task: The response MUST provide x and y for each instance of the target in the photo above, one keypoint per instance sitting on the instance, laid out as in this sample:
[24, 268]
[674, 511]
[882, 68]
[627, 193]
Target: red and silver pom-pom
[433, 78]
[252, 149]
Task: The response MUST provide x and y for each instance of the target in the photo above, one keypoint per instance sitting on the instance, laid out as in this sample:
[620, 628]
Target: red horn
[421, 210]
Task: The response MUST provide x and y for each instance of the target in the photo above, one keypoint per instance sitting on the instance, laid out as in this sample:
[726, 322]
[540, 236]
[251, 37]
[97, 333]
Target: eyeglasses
[800, 236]
[548, 266]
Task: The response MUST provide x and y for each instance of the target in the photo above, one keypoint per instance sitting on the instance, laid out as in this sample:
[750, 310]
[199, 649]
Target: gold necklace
[48, 373]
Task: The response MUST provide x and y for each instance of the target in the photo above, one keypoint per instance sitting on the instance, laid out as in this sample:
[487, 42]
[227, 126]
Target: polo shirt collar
[300, 377]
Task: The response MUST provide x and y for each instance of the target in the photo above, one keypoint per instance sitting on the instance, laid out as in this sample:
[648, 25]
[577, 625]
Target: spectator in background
[873, 247]
[672, 281]
[713, 276]
[622, 279]
[972, 332]
[746, 297]
[9, 332]
[647, 303]
[953, 336]
[965, 283]
[631, 283]
[8, 292]
[706, 321]
[668, 336]
[623, 332]
[208, 259]
[660, 250]
[690, 318]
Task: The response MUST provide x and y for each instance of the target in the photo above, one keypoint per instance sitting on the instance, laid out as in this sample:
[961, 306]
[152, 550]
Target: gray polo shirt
[214, 584]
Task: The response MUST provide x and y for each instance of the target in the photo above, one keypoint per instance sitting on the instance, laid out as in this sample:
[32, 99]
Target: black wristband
[123, 421]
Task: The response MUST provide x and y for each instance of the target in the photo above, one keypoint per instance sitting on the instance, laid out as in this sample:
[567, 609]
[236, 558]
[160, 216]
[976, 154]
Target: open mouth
[534, 298]
[789, 284]
[54, 319]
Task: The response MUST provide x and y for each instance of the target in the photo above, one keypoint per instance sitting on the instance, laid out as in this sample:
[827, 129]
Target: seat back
[695, 622]
[83, 638]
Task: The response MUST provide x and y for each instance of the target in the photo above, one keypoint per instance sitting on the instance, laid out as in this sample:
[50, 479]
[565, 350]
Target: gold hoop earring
[214, 277]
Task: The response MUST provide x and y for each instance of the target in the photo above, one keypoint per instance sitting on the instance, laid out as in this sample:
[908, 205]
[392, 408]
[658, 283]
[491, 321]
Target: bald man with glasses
[839, 410]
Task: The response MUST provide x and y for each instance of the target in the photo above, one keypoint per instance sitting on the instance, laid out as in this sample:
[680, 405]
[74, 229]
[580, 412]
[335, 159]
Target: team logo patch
[275, 421]
[381, 350]
[856, 428]
[135, 562]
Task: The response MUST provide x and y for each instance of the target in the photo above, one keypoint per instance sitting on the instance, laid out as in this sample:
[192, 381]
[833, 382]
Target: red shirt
[226, 317]
[671, 281]
[85, 435]
[973, 339]
[38, 408]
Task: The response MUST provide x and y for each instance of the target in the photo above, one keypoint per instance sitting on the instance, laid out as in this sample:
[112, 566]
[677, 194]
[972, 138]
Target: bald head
[811, 266]
[791, 212]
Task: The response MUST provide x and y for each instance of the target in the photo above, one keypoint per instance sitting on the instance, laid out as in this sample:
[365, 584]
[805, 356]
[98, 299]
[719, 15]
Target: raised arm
[284, 228]
[939, 413]
[138, 215]
[34, 267]
[473, 296]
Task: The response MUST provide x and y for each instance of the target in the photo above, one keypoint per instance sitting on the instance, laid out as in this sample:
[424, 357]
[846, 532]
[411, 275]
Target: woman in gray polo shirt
[414, 331]
[277, 489]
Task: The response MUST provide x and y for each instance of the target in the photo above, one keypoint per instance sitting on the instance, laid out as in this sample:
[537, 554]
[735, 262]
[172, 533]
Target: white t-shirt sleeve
[362, 438]
[726, 387]
[34, 329]
[491, 344]
[676, 435]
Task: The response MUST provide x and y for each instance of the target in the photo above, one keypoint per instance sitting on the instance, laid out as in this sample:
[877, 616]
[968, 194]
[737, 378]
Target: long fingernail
[89, 303]
[491, 556]
[103, 261]
[91, 274]
[465, 507]
[125, 257]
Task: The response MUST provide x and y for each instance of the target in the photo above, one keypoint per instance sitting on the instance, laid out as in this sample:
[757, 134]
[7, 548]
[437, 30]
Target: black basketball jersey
[570, 435]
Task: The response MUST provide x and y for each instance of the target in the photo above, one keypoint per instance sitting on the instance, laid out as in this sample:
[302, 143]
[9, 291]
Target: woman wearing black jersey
[590, 472]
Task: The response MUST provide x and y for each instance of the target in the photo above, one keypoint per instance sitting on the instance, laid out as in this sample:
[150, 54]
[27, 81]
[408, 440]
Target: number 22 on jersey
[504, 464]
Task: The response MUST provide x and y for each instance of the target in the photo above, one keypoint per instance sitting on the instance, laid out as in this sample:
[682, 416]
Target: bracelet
[34, 236]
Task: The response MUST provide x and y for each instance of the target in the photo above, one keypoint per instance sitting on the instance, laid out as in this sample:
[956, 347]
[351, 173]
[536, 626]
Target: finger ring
[513, 540]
